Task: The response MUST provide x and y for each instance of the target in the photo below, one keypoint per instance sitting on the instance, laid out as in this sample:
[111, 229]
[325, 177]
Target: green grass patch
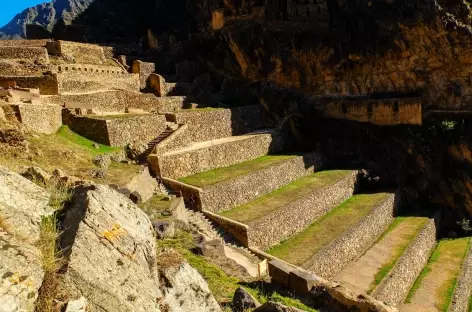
[470, 304]
[78, 140]
[411, 227]
[222, 174]
[299, 248]
[155, 206]
[285, 195]
[221, 284]
[447, 258]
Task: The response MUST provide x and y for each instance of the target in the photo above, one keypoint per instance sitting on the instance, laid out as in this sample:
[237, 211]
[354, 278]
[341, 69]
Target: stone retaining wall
[191, 194]
[37, 54]
[333, 258]
[24, 43]
[188, 162]
[293, 218]
[395, 287]
[41, 118]
[178, 139]
[144, 69]
[238, 230]
[47, 84]
[77, 52]
[118, 131]
[211, 124]
[90, 68]
[170, 103]
[85, 81]
[113, 101]
[463, 291]
[242, 189]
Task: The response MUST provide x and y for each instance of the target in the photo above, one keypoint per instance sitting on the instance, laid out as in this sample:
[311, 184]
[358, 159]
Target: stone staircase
[164, 135]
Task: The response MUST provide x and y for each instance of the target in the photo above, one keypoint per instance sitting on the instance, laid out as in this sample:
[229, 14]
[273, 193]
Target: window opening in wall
[319, 10]
[307, 2]
[67, 68]
[307, 11]
[396, 108]
[344, 108]
[369, 108]
[297, 12]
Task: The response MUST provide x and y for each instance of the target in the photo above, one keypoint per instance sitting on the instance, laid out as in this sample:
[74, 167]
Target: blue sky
[12, 7]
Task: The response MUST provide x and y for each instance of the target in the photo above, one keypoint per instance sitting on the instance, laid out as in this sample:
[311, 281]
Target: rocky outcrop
[186, 290]
[22, 207]
[23, 204]
[110, 247]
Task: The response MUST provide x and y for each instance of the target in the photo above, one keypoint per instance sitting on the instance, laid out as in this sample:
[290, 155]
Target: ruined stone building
[297, 10]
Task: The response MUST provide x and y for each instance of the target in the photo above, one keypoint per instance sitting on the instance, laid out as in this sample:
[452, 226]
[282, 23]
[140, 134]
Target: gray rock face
[22, 205]
[111, 252]
[21, 274]
[186, 290]
[276, 307]
[242, 301]
[37, 174]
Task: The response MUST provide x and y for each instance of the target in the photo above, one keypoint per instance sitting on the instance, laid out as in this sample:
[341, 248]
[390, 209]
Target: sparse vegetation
[465, 225]
[446, 257]
[299, 248]
[72, 137]
[222, 285]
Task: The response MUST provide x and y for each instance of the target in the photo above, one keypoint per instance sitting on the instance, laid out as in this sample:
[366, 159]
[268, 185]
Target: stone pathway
[359, 275]
[440, 274]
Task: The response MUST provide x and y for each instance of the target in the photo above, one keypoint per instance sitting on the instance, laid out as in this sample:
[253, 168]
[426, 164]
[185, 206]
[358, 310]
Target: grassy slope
[71, 153]
[417, 222]
[221, 285]
[302, 246]
[226, 173]
[445, 250]
[284, 196]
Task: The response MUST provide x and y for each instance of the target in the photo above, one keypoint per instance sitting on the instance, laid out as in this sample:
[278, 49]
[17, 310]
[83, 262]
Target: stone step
[363, 275]
[286, 211]
[208, 155]
[432, 288]
[232, 186]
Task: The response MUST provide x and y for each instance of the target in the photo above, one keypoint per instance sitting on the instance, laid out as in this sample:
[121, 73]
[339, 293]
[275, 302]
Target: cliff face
[45, 14]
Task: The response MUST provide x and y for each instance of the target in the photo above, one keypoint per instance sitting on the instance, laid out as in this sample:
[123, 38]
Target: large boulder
[23, 204]
[243, 301]
[186, 290]
[110, 246]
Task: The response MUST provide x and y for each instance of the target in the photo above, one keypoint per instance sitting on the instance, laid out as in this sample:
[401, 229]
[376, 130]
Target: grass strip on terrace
[299, 248]
[226, 173]
[285, 195]
[80, 141]
[406, 228]
[443, 269]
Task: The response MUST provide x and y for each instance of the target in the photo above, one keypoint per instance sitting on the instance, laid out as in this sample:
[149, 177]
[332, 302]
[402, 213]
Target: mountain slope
[45, 14]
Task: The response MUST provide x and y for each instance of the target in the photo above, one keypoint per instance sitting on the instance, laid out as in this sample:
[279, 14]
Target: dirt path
[359, 276]
[442, 269]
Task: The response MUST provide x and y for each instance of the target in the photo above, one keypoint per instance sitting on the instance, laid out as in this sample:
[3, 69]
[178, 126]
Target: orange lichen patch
[116, 232]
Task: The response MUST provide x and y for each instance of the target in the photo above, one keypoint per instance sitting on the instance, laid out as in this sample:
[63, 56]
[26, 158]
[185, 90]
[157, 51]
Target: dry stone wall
[394, 288]
[242, 189]
[463, 291]
[81, 82]
[383, 112]
[205, 125]
[190, 161]
[178, 139]
[42, 118]
[77, 52]
[293, 218]
[144, 69]
[47, 84]
[332, 259]
[170, 103]
[118, 130]
[24, 43]
[36, 54]
[238, 230]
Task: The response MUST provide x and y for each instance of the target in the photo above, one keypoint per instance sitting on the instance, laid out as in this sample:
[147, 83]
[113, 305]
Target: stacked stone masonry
[77, 52]
[24, 43]
[37, 54]
[47, 84]
[242, 189]
[119, 130]
[205, 125]
[333, 258]
[215, 154]
[90, 68]
[41, 118]
[144, 69]
[236, 229]
[463, 291]
[393, 111]
[395, 287]
[85, 81]
[291, 219]
[178, 139]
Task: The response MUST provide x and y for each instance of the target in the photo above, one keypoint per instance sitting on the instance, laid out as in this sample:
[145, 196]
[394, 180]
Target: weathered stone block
[144, 69]
[79, 52]
[301, 282]
[279, 272]
[37, 54]
[45, 119]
